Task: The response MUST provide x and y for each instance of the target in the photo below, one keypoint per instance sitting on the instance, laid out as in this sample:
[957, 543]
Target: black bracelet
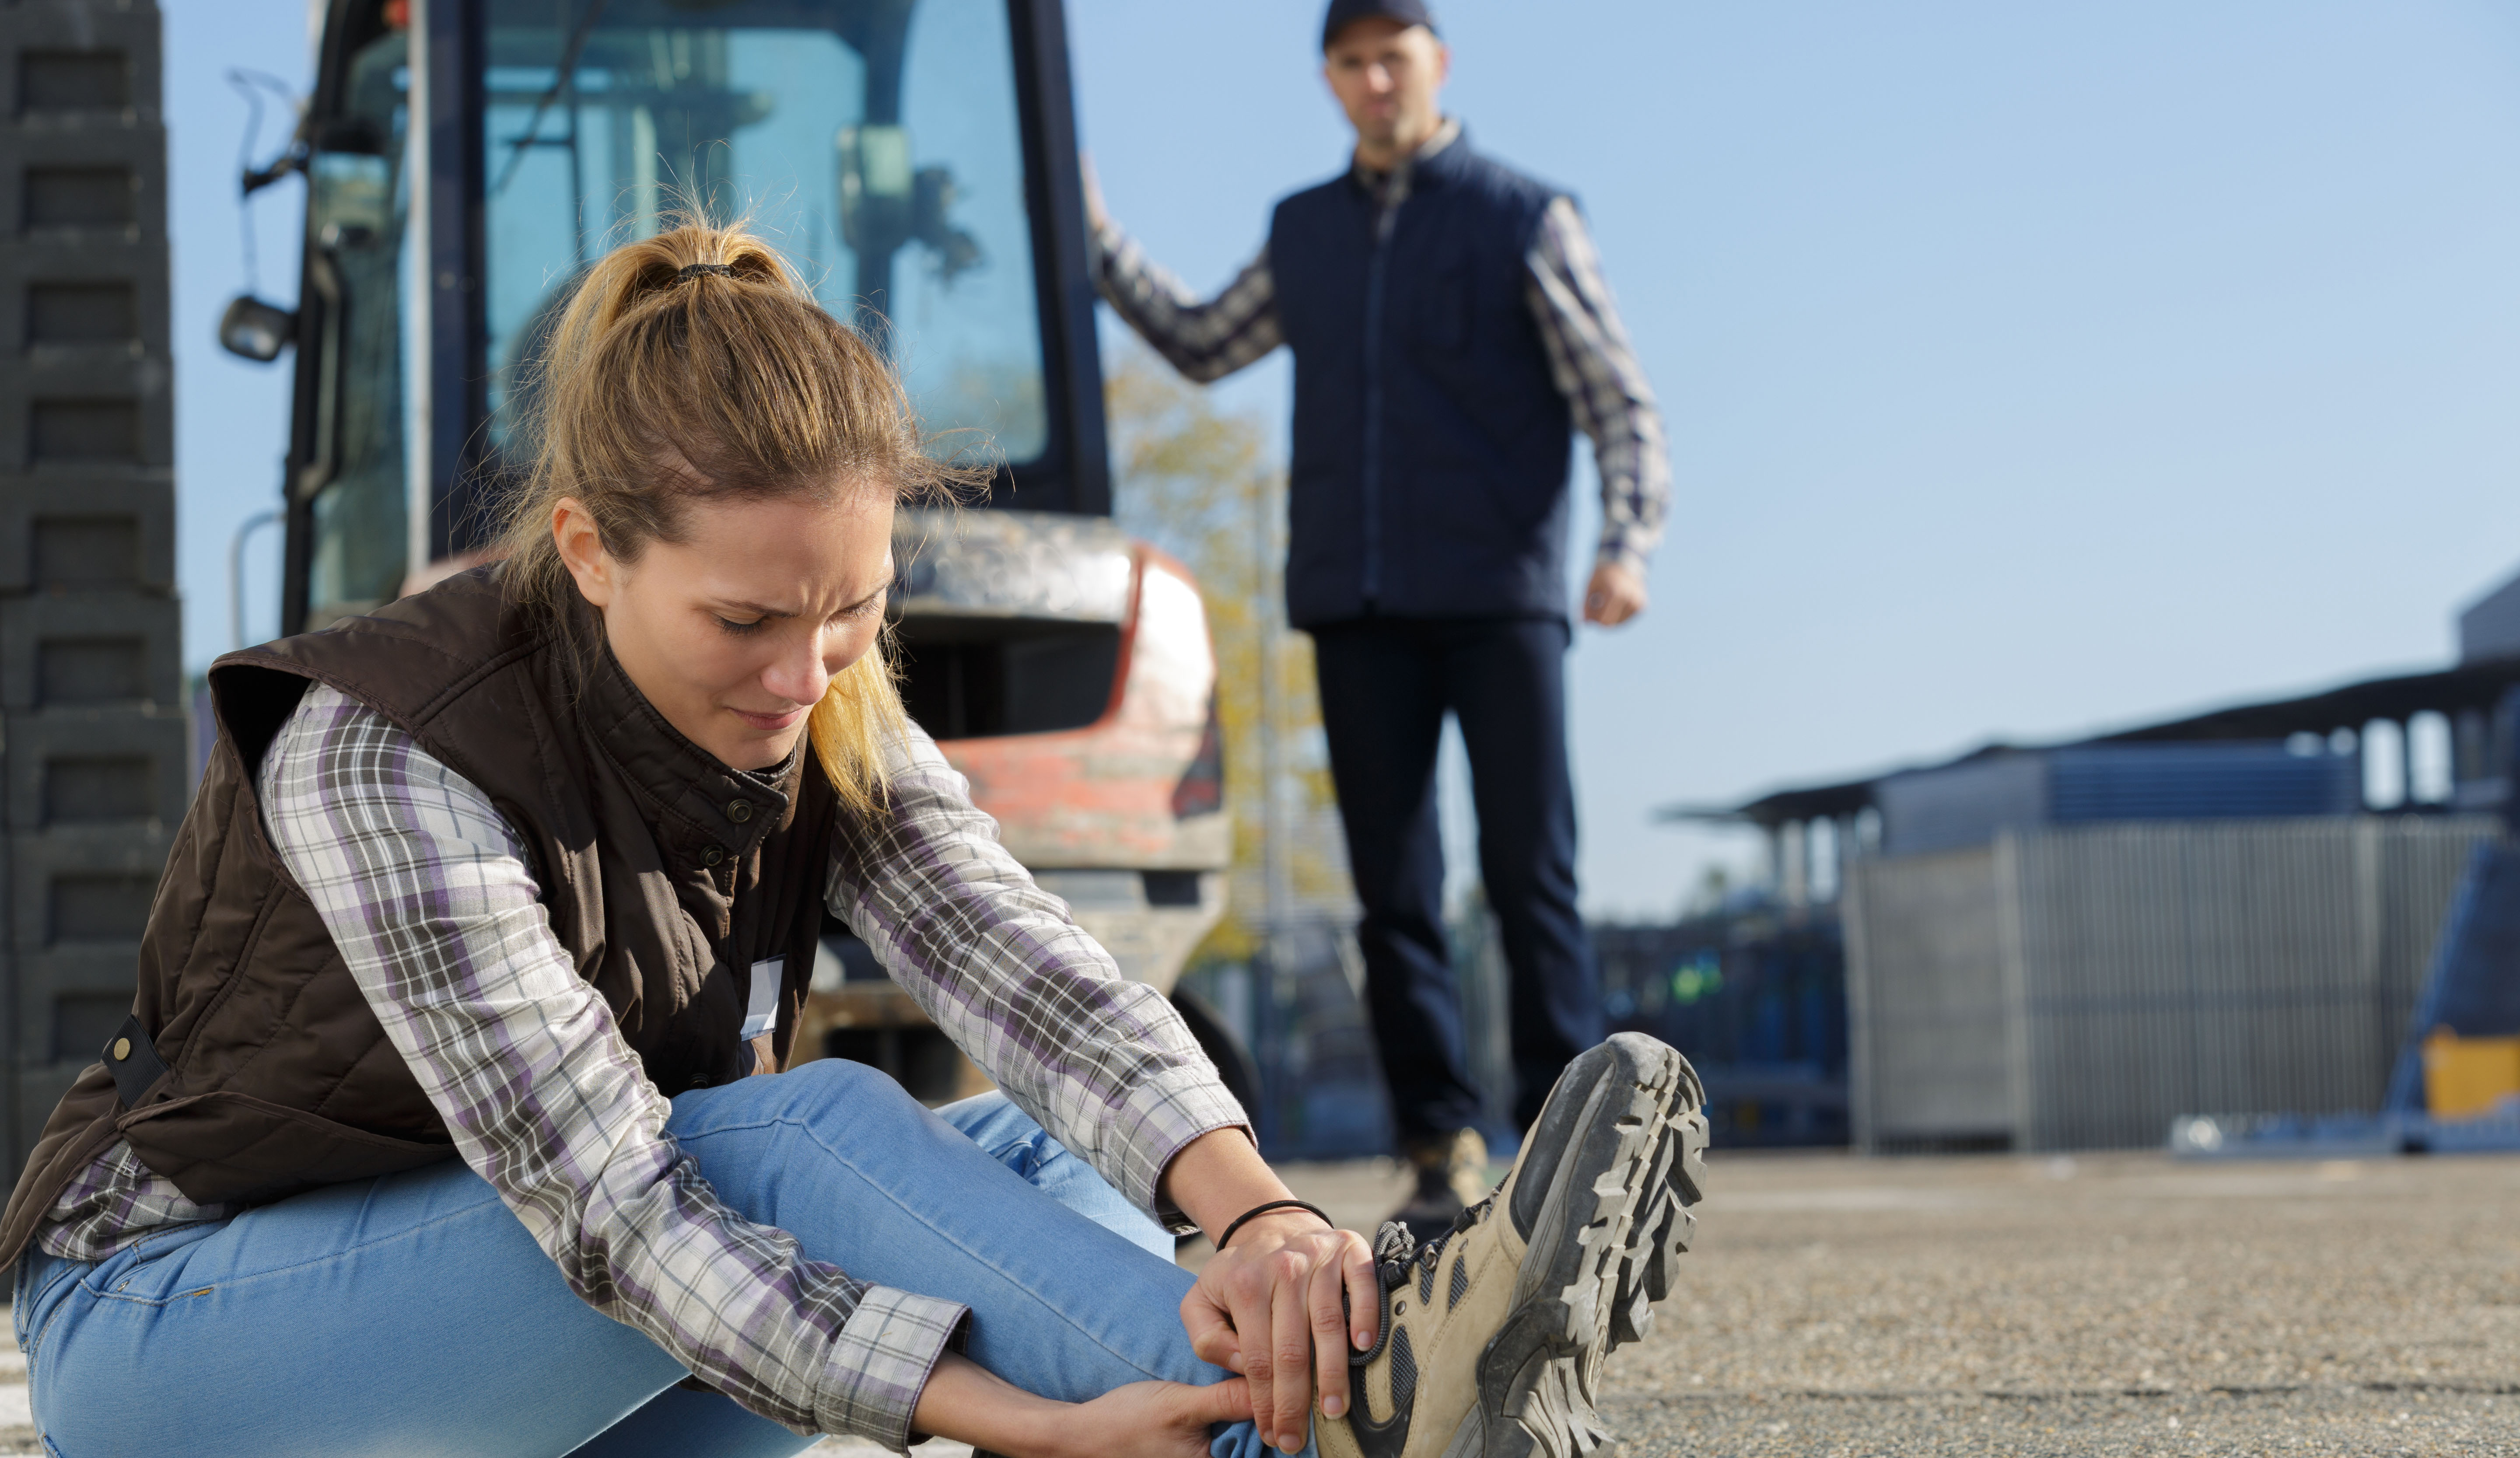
[1260, 1209]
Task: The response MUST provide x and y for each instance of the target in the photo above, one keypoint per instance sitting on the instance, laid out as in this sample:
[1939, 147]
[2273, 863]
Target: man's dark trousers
[1385, 685]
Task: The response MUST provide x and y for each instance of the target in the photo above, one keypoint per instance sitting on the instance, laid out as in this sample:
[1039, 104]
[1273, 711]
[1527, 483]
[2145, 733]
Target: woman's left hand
[1268, 1305]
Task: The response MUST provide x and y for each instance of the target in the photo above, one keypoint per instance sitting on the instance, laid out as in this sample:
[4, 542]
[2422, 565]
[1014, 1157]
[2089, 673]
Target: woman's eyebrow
[734, 605]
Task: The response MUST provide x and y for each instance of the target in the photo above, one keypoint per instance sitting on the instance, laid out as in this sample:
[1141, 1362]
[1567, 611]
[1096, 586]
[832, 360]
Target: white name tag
[761, 1014]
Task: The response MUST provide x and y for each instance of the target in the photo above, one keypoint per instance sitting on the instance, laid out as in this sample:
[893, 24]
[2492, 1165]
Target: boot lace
[1400, 1256]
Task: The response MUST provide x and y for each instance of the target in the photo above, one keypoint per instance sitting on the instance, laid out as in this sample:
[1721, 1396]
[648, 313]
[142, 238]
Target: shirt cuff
[1619, 550]
[1103, 245]
[881, 1364]
[1169, 1112]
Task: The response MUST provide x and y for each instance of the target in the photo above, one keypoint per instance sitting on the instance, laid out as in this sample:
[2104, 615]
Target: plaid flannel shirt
[1590, 358]
[425, 892]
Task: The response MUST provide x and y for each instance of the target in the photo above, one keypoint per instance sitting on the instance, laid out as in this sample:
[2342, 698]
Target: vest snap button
[711, 855]
[121, 1049]
[739, 810]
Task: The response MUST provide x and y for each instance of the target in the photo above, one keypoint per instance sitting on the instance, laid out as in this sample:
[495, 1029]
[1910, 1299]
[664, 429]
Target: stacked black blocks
[93, 746]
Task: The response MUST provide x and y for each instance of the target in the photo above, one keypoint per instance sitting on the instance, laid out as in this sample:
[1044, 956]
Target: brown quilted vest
[255, 1068]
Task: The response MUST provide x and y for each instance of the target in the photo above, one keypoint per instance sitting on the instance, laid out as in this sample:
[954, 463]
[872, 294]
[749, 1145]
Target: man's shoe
[1452, 1177]
[1493, 1334]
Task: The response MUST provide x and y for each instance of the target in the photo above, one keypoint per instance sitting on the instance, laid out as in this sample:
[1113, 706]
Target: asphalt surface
[2109, 1304]
[2102, 1305]
[2118, 1304]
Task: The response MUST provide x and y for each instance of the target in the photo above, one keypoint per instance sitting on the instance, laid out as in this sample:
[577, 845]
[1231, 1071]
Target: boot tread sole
[1608, 1263]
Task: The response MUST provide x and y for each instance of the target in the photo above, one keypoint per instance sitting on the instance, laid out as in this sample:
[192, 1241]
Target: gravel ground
[2106, 1304]
[2309, 1421]
[2117, 1304]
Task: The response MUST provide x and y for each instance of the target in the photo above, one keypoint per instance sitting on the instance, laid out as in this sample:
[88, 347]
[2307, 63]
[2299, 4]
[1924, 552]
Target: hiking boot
[1452, 1177]
[1493, 1334]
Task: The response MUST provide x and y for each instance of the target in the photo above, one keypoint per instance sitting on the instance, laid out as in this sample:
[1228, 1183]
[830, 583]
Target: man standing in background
[1451, 329]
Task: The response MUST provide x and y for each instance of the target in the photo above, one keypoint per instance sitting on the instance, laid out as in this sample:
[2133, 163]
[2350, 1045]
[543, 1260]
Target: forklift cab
[916, 158]
[467, 159]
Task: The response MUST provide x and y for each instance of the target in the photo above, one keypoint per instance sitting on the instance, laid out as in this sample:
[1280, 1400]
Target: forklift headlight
[255, 330]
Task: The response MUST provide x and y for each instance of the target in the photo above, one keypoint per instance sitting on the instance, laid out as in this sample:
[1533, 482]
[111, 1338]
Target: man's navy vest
[1429, 471]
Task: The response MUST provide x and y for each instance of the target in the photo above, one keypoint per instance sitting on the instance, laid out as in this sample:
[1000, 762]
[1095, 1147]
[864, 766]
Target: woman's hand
[968, 1404]
[1268, 1306]
[1151, 1420]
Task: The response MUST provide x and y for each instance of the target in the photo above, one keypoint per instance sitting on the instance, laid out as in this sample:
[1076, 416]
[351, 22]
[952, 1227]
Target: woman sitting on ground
[430, 1130]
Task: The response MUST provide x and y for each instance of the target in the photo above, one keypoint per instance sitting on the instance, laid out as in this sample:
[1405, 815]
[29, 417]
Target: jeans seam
[151, 1301]
[276, 1270]
[139, 1263]
[984, 1261]
[335, 1255]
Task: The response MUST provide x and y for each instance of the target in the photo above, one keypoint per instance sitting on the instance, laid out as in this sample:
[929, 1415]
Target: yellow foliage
[1200, 485]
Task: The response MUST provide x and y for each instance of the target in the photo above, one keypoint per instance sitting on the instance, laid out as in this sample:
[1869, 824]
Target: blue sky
[231, 416]
[2030, 369]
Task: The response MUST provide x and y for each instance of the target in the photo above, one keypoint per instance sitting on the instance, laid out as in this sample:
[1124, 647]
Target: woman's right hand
[1152, 1420]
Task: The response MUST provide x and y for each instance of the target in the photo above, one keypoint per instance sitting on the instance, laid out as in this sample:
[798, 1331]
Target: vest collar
[692, 798]
[1434, 161]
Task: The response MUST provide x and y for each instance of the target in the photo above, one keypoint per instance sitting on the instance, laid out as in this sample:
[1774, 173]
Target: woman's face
[734, 632]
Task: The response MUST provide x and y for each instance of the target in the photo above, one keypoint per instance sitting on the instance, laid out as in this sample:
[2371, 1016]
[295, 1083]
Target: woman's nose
[797, 676]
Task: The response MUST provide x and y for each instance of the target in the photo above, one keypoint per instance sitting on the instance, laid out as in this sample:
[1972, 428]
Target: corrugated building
[2079, 988]
[2066, 947]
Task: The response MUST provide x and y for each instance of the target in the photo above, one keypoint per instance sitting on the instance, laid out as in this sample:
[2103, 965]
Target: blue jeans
[414, 1314]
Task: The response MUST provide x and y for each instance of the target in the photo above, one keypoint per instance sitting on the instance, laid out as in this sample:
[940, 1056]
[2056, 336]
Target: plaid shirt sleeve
[1597, 370]
[1103, 1064]
[1204, 341]
[427, 894]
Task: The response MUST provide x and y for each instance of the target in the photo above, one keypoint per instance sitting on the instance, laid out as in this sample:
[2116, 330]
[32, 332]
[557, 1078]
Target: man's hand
[1615, 595]
[1096, 218]
[1268, 1306]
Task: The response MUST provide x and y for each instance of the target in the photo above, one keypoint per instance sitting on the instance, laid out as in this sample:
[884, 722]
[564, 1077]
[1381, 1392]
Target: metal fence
[2077, 988]
[1756, 998]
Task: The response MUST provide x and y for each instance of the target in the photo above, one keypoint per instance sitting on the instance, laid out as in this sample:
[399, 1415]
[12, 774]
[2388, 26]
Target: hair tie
[691, 271]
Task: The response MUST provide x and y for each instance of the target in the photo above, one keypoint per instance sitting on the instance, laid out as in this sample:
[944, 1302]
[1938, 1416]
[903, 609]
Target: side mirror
[256, 331]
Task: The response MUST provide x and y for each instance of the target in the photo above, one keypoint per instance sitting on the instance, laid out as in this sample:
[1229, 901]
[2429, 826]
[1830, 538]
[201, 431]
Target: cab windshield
[876, 142]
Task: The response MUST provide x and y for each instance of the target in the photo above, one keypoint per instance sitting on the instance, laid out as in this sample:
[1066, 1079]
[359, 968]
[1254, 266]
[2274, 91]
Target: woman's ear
[581, 550]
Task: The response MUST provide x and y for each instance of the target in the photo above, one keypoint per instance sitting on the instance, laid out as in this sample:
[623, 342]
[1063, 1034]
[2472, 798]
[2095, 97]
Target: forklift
[465, 161]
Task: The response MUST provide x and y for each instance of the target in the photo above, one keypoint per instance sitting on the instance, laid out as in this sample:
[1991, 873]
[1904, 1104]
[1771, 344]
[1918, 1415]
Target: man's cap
[1344, 13]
